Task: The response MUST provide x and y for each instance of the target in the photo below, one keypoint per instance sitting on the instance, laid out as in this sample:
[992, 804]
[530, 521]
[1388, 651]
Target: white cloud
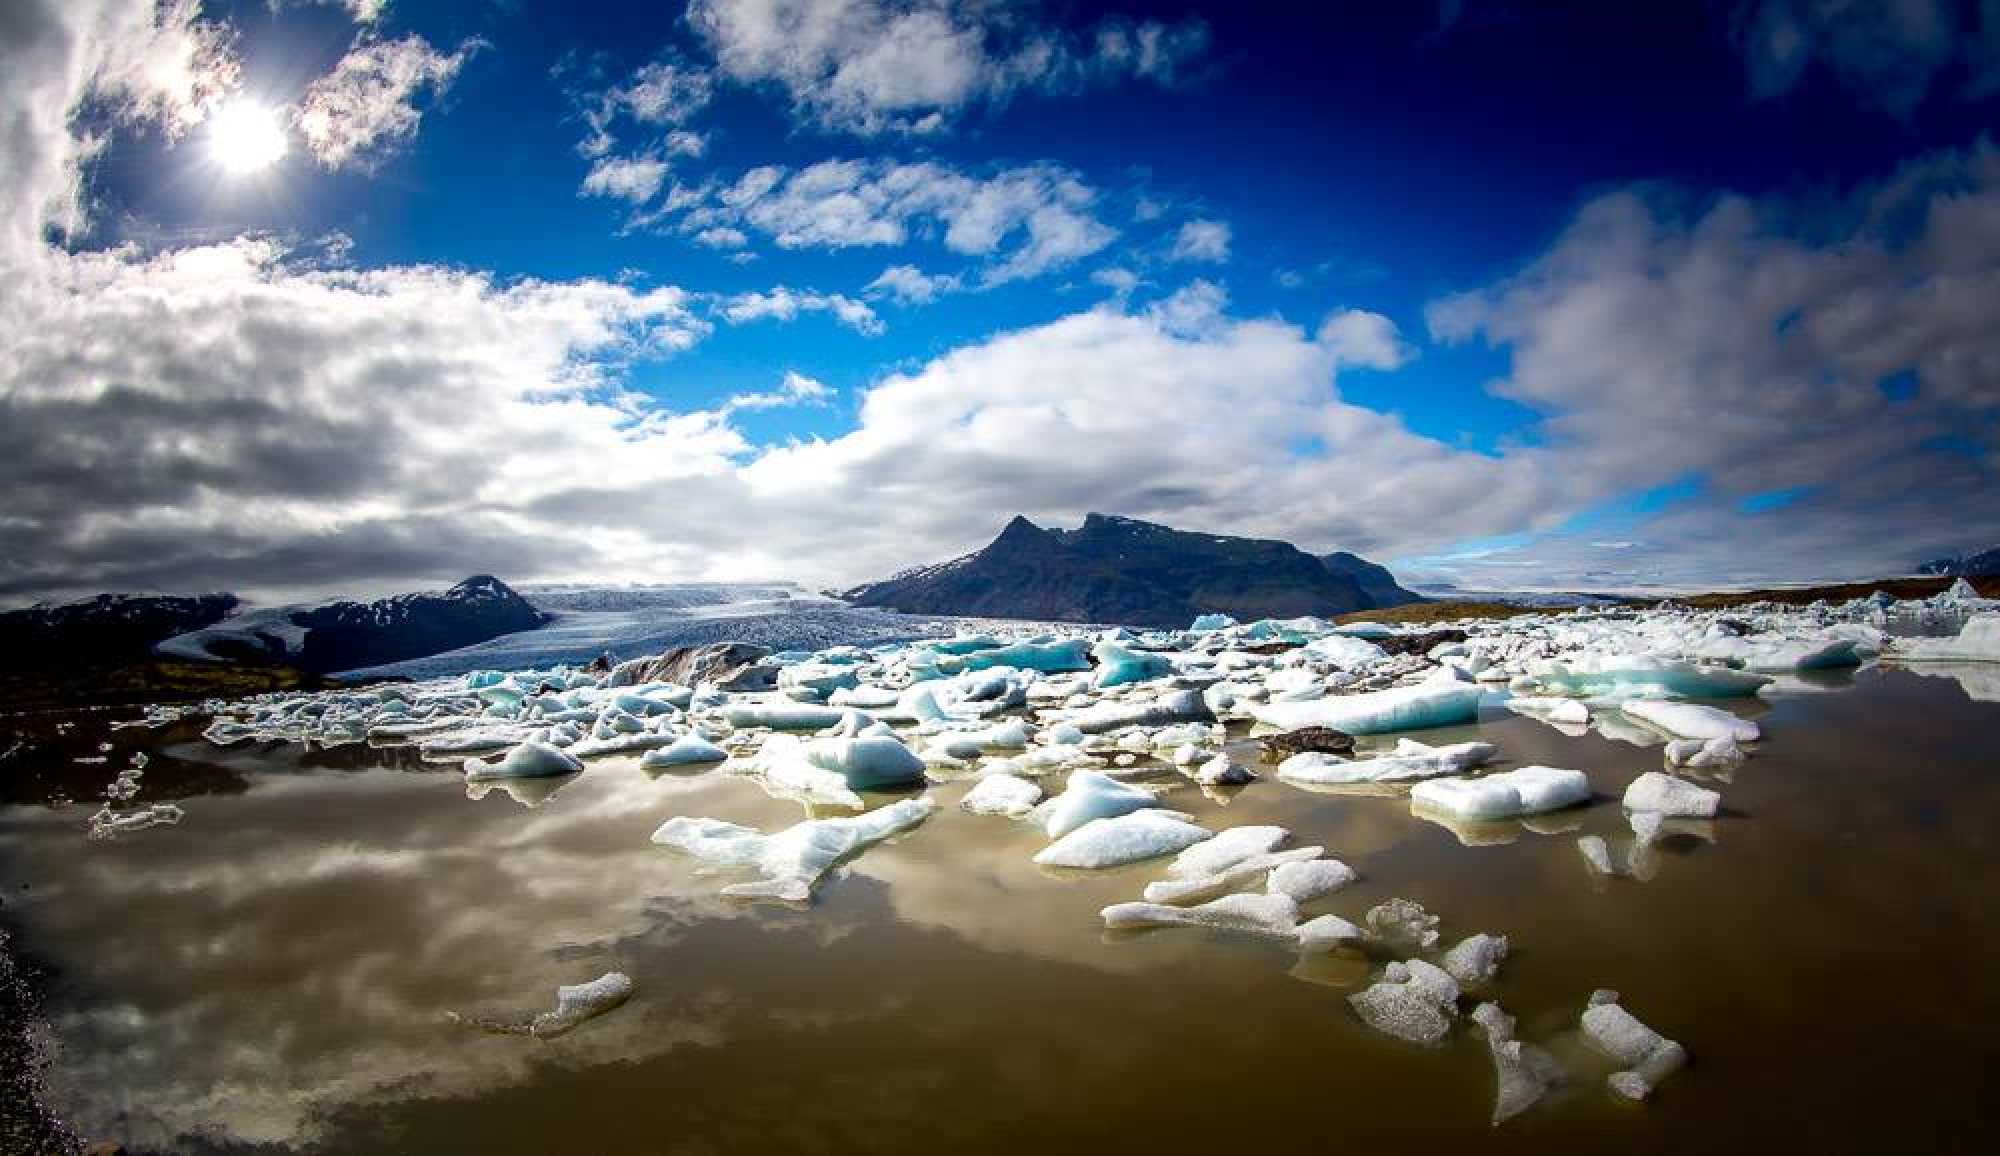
[1024, 220]
[871, 66]
[795, 389]
[721, 237]
[633, 179]
[359, 11]
[1202, 241]
[662, 94]
[1888, 53]
[1360, 338]
[785, 304]
[367, 104]
[909, 285]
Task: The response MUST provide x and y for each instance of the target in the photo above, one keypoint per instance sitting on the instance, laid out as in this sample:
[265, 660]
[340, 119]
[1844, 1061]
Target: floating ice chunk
[1613, 674]
[108, 822]
[1409, 760]
[529, 760]
[782, 763]
[576, 1003]
[1690, 720]
[1701, 754]
[1011, 735]
[1675, 798]
[1002, 794]
[1234, 877]
[1178, 706]
[1308, 880]
[1272, 915]
[1220, 771]
[1413, 1001]
[1048, 657]
[1475, 960]
[1508, 795]
[818, 678]
[868, 762]
[1128, 838]
[1597, 853]
[1346, 651]
[620, 744]
[1328, 932]
[1403, 924]
[687, 750]
[1524, 1071]
[792, 860]
[1568, 711]
[1977, 641]
[1118, 664]
[1426, 704]
[1091, 795]
[1648, 1056]
[1226, 849]
[783, 716]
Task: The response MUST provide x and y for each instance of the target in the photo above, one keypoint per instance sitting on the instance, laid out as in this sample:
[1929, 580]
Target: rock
[1325, 740]
[730, 666]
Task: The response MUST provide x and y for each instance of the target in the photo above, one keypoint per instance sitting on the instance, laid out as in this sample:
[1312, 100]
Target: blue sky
[1504, 294]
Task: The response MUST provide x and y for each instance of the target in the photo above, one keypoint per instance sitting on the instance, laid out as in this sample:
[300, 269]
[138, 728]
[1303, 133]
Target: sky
[301, 297]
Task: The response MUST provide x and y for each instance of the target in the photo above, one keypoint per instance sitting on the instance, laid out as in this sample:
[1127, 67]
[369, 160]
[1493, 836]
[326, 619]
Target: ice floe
[1690, 720]
[1129, 838]
[1665, 795]
[1413, 1001]
[1648, 1056]
[793, 860]
[1409, 760]
[1506, 795]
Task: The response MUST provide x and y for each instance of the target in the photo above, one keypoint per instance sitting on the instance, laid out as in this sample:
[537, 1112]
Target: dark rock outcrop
[1119, 570]
[1418, 643]
[1326, 740]
[730, 666]
[106, 630]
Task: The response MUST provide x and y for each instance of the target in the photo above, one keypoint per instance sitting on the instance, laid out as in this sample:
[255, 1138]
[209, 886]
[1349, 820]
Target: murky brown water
[275, 971]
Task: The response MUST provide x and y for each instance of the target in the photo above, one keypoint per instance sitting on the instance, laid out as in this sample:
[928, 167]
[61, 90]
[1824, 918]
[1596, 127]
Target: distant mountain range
[1121, 570]
[345, 635]
[1985, 564]
[105, 630]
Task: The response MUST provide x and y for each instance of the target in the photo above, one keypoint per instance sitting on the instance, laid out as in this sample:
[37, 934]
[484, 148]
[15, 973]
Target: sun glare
[245, 137]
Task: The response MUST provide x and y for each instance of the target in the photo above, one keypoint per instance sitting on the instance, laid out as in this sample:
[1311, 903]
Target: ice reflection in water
[277, 968]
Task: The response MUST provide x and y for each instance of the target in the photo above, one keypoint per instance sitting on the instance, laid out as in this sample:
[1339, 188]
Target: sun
[245, 137]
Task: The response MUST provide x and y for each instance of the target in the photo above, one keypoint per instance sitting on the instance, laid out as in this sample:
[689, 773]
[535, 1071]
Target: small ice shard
[792, 860]
[1648, 1056]
[687, 750]
[1426, 704]
[530, 759]
[1308, 880]
[1508, 795]
[1091, 795]
[1272, 915]
[1690, 720]
[1413, 1001]
[1597, 853]
[1666, 795]
[1221, 772]
[1409, 760]
[1403, 924]
[1002, 794]
[1328, 932]
[1475, 960]
[1127, 838]
[1524, 1071]
[576, 1003]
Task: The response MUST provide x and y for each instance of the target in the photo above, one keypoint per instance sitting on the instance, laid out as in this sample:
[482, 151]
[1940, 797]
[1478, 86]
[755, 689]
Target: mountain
[105, 630]
[345, 635]
[1985, 564]
[1120, 570]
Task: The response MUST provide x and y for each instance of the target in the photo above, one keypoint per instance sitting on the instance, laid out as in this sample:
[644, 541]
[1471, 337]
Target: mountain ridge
[1115, 569]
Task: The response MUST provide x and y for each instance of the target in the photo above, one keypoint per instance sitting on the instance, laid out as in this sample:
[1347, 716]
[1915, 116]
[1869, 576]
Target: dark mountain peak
[110, 628]
[481, 586]
[1118, 569]
[1984, 564]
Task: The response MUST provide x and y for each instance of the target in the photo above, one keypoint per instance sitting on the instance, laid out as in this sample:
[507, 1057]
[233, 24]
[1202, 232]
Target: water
[276, 970]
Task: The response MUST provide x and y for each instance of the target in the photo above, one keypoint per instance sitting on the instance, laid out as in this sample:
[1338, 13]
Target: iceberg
[867, 763]
[1345, 651]
[1234, 877]
[1567, 711]
[1308, 880]
[1128, 838]
[1648, 1056]
[793, 860]
[1621, 674]
[1689, 720]
[1118, 664]
[1002, 794]
[1673, 798]
[1525, 1072]
[1409, 760]
[1270, 915]
[531, 759]
[687, 750]
[1091, 795]
[783, 716]
[1178, 706]
[1427, 704]
[1327, 933]
[576, 1003]
[1508, 795]
[1228, 848]
[1210, 623]
[1977, 641]
[1413, 1001]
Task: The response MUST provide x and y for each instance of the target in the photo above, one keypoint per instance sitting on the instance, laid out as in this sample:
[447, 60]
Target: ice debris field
[1087, 736]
